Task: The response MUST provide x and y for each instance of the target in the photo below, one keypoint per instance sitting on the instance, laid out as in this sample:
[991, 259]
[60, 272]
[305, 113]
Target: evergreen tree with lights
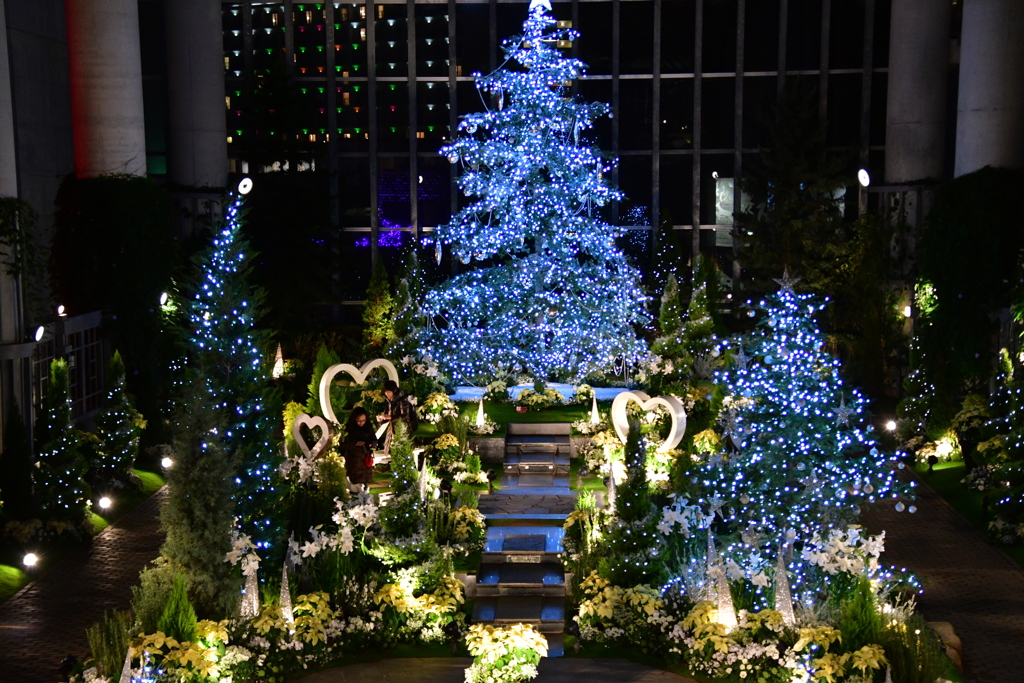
[223, 311]
[632, 540]
[118, 427]
[1003, 453]
[59, 482]
[378, 315]
[408, 316]
[548, 291]
[801, 461]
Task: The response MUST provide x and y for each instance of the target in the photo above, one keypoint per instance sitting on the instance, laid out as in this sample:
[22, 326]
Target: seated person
[398, 407]
[360, 440]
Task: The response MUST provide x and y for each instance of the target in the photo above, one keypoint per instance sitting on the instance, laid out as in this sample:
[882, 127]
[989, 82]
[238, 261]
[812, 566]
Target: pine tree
[632, 538]
[550, 293]
[378, 316]
[118, 427]
[803, 461]
[199, 510]
[224, 310]
[408, 313]
[60, 486]
[16, 470]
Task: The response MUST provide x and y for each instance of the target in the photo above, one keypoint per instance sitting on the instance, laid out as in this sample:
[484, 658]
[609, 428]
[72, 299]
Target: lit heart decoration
[674, 406]
[358, 374]
[326, 432]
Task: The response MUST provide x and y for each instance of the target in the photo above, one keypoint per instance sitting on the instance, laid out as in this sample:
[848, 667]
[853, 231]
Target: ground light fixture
[907, 311]
[890, 425]
[164, 298]
[105, 503]
[863, 177]
[30, 560]
[166, 463]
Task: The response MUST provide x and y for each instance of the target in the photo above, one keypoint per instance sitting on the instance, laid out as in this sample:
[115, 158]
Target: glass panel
[595, 41]
[636, 34]
[677, 24]
[635, 114]
[761, 37]
[718, 99]
[803, 35]
[719, 39]
[677, 113]
[392, 43]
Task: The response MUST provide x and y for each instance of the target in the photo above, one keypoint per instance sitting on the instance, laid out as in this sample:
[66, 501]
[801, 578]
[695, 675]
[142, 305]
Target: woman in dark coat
[360, 440]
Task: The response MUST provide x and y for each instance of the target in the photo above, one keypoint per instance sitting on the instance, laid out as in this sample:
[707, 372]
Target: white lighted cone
[783, 598]
[595, 416]
[481, 419]
[286, 597]
[250, 606]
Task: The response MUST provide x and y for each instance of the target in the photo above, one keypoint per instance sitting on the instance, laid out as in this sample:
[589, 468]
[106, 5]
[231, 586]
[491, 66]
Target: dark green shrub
[109, 640]
[179, 618]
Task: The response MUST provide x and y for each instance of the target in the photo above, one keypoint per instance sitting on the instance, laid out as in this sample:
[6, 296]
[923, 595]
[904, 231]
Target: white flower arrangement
[488, 427]
[847, 551]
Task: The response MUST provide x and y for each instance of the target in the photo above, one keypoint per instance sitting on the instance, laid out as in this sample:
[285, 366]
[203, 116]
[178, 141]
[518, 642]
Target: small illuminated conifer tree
[119, 427]
[60, 488]
[802, 460]
[548, 293]
[223, 311]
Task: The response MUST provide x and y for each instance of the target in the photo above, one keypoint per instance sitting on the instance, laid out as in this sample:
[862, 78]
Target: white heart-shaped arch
[313, 423]
[358, 374]
[674, 406]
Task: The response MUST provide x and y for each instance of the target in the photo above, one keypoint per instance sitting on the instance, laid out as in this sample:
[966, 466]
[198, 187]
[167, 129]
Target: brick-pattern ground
[969, 583]
[46, 620]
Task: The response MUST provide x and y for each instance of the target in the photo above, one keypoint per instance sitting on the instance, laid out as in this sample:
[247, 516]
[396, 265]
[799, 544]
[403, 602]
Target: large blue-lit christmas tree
[223, 312]
[547, 292]
[800, 460]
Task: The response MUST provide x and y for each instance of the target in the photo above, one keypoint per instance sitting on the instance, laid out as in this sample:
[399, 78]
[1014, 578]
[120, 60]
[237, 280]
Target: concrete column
[10, 292]
[990, 108]
[916, 105]
[198, 150]
[106, 86]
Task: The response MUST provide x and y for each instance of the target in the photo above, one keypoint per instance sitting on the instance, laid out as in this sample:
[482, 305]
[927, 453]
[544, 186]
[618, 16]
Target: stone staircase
[521, 579]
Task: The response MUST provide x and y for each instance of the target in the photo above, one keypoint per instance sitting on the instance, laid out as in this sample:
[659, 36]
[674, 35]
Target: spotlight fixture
[30, 560]
[891, 425]
[166, 463]
[61, 311]
[863, 178]
[105, 503]
[40, 331]
[245, 187]
[164, 298]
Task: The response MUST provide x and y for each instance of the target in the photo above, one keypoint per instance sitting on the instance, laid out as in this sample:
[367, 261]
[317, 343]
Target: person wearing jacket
[398, 407]
[360, 441]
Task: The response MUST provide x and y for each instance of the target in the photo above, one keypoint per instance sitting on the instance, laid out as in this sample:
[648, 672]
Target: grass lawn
[12, 578]
[945, 479]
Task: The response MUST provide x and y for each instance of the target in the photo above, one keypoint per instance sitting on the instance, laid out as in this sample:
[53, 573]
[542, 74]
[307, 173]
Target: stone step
[534, 492]
[524, 538]
[530, 517]
[521, 579]
[529, 480]
[545, 613]
[556, 644]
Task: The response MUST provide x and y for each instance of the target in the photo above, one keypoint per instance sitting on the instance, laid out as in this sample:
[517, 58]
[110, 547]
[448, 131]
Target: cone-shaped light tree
[223, 312]
[119, 427]
[59, 484]
[547, 290]
[802, 461]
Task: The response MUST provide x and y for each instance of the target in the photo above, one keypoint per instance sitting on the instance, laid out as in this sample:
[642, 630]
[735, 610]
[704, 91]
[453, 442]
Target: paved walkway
[46, 620]
[452, 670]
[968, 582]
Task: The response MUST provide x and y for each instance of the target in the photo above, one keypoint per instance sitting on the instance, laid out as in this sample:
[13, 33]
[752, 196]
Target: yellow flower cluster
[312, 614]
[491, 643]
[198, 658]
[604, 598]
[466, 522]
[445, 600]
[831, 666]
[702, 621]
[446, 441]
